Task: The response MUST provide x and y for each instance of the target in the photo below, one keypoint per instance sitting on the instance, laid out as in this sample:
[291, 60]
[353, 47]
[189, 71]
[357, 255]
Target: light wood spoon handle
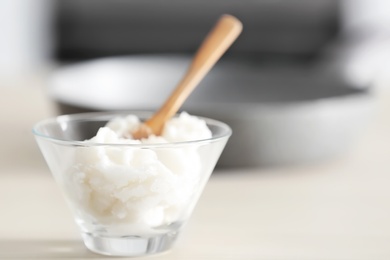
[220, 38]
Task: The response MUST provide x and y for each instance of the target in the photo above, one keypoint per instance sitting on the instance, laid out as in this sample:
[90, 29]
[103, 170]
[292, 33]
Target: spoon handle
[219, 39]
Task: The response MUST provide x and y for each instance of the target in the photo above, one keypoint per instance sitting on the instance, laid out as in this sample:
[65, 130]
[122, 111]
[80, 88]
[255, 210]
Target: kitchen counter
[338, 209]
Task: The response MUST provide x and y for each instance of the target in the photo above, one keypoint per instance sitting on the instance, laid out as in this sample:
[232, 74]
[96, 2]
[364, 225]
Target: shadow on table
[44, 249]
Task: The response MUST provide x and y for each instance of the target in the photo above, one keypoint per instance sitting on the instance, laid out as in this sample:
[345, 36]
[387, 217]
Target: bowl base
[129, 245]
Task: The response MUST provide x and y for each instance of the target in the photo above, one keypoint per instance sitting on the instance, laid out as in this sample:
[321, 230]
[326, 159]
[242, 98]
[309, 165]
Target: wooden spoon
[220, 38]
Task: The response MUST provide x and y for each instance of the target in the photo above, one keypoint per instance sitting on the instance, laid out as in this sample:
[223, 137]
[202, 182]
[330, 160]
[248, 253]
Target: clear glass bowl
[127, 199]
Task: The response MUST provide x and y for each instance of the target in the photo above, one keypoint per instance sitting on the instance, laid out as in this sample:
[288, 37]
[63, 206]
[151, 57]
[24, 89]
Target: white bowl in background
[280, 114]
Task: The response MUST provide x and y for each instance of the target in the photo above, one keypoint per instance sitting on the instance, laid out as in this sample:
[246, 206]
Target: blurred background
[299, 81]
[42, 31]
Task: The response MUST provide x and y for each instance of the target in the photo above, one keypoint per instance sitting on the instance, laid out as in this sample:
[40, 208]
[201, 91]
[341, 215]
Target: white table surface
[335, 210]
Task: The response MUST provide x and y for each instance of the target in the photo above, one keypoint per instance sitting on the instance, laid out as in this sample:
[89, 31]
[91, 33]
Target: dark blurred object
[279, 114]
[289, 29]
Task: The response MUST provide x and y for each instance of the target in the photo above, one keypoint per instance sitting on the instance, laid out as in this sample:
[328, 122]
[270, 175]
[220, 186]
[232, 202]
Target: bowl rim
[105, 116]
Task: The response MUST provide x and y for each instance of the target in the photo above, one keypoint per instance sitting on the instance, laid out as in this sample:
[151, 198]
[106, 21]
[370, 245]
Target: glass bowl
[127, 199]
